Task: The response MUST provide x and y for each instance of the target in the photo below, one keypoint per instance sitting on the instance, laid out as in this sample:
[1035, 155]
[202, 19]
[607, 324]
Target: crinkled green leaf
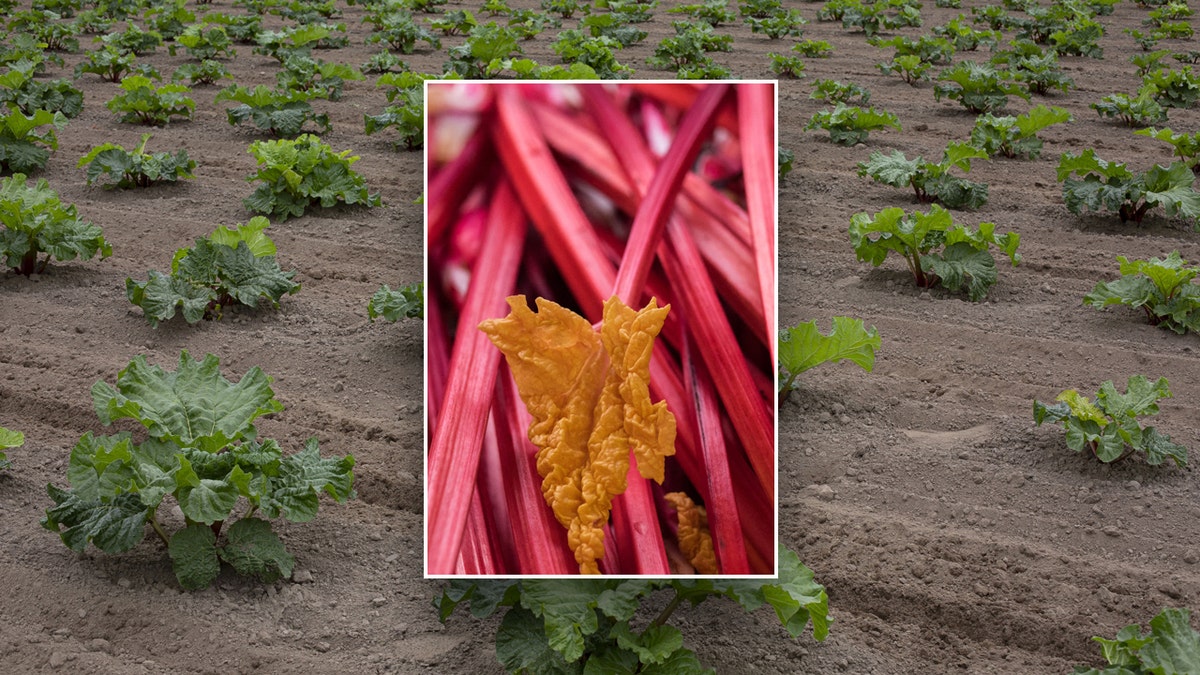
[392, 305]
[680, 662]
[204, 500]
[99, 467]
[620, 601]
[895, 169]
[302, 477]
[161, 295]
[567, 609]
[1171, 188]
[652, 646]
[252, 232]
[522, 646]
[962, 264]
[113, 526]
[1159, 448]
[253, 549]
[154, 465]
[192, 406]
[193, 554]
[804, 346]
[797, 598]
[1140, 397]
[1175, 647]
[610, 660]
[11, 439]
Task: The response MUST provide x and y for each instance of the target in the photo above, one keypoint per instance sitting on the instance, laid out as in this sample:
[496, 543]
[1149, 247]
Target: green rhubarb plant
[205, 42]
[1016, 136]
[142, 103]
[592, 625]
[910, 68]
[850, 125]
[36, 222]
[1100, 184]
[298, 174]
[1109, 427]
[1170, 646]
[201, 447]
[1163, 289]
[226, 268]
[834, 91]
[804, 346]
[936, 249]
[395, 304]
[1141, 110]
[201, 74]
[813, 49]
[116, 167]
[931, 181]
[282, 113]
[8, 440]
[1172, 88]
[19, 87]
[978, 87]
[26, 141]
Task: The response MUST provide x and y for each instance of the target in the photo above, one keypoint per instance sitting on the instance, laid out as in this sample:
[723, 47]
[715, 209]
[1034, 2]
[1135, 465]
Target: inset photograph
[600, 315]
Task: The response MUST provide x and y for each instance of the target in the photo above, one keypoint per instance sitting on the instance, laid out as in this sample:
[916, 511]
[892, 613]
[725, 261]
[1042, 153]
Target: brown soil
[952, 534]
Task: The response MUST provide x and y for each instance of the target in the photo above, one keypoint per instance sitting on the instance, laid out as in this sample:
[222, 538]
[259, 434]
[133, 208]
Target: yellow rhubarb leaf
[588, 393]
[695, 541]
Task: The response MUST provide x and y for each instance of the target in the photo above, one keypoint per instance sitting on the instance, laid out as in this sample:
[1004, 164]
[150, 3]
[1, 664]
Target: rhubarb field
[951, 533]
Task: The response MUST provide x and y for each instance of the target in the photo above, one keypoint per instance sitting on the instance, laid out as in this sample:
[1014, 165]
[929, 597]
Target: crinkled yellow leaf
[589, 396]
[694, 538]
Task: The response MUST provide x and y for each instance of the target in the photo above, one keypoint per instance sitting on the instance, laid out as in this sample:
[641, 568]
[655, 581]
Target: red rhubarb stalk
[457, 439]
[756, 114]
[635, 522]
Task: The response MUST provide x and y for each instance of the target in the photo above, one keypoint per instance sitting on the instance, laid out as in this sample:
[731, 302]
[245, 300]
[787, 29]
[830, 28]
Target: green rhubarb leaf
[680, 662]
[204, 500]
[654, 645]
[99, 467]
[392, 305]
[248, 278]
[193, 406]
[1171, 188]
[11, 439]
[253, 549]
[302, 477]
[1159, 448]
[253, 233]
[962, 264]
[804, 346]
[1175, 647]
[1088, 163]
[154, 465]
[892, 230]
[797, 598]
[193, 554]
[1140, 398]
[567, 609]
[113, 526]
[610, 660]
[1134, 291]
[621, 601]
[161, 295]
[522, 646]
[1053, 412]
[1168, 274]
[895, 169]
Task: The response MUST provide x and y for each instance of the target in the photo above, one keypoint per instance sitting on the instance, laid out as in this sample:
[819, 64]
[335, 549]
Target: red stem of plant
[756, 114]
[454, 453]
[635, 523]
[656, 207]
[449, 185]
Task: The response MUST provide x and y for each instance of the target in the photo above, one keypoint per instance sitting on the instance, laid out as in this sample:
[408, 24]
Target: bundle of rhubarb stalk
[600, 318]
